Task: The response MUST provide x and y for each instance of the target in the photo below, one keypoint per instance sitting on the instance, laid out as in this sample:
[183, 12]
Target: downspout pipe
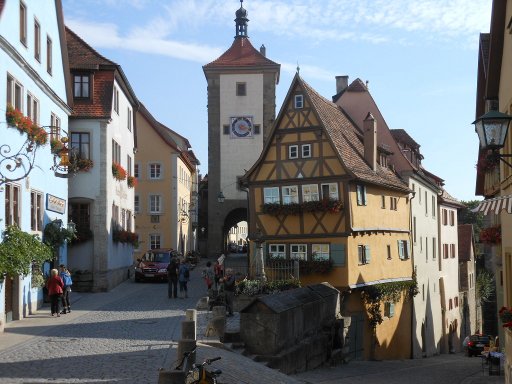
[412, 260]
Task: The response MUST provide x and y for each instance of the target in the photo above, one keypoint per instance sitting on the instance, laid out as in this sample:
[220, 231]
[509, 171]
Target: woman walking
[183, 278]
[55, 287]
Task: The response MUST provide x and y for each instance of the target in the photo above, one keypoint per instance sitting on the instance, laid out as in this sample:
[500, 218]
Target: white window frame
[290, 194]
[155, 171]
[129, 119]
[363, 254]
[36, 210]
[306, 151]
[136, 203]
[116, 100]
[49, 54]
[271, 195]
[298, 101]
[310, 192]
[32, 108]
[155, 241]
[23, 23]
[403, 249]
[155, 204]
[361, 195]
[12, 204]
[277, 251]
[333, 191]
[293, 151]
[389, 309]
[320, 252]
[116, 152]
[37, 40]
[15, 93]
[298, 251]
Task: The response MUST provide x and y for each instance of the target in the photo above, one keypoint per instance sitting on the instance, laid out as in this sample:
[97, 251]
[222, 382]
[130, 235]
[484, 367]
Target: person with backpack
[183, 277]
[172, 275]
[65, 275]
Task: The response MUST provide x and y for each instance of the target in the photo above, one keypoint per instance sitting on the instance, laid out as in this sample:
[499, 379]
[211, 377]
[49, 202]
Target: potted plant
[491, 235]
[132, 181]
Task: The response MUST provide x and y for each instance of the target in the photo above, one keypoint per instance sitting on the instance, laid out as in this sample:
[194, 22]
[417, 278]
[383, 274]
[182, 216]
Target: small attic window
[299, 101]
[241, 89]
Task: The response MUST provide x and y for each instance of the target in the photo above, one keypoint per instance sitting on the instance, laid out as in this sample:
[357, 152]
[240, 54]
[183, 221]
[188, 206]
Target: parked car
[475, 344]
[153, 265]
[232, 248]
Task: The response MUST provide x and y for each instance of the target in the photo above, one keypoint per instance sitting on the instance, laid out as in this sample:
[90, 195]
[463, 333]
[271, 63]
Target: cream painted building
[166, 193]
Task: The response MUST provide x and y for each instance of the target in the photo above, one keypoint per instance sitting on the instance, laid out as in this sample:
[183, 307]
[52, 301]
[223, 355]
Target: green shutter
[408, 248]
[391, 309]
[367, 254]
[338, 254]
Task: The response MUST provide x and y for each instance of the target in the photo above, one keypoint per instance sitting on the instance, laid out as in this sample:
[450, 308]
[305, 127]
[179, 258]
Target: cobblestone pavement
[128, 334]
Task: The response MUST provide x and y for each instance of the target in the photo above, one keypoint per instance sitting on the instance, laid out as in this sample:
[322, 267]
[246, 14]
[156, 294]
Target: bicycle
[198, 374]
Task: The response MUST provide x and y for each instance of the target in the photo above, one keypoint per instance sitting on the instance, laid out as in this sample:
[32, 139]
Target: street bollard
[188, 330]
[191, 314]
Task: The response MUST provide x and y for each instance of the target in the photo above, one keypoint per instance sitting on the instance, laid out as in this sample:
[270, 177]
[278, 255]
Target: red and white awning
[495, 205]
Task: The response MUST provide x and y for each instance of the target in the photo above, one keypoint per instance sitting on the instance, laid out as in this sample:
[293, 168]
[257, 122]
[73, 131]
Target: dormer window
[81, 86]
[299, 101]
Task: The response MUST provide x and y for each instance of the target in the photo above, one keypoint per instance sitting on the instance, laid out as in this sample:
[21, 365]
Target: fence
[274, 270]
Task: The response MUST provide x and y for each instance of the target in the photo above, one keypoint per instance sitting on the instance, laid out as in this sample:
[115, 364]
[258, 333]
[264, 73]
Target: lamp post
[259, 264]
[492, 128]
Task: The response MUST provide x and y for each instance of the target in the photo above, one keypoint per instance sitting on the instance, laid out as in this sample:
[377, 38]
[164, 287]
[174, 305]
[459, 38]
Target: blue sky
[419, 57]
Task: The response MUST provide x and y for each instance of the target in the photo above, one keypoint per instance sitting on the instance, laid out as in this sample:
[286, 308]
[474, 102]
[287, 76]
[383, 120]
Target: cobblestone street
[128, 334]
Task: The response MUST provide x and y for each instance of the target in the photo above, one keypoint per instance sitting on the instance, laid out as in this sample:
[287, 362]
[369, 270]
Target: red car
[153, 265]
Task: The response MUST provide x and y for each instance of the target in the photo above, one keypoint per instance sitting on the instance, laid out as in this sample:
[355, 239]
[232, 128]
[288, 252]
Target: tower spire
[241, 21]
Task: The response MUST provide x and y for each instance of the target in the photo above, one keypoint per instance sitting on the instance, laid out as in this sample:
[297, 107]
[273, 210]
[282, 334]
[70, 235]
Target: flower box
[491, 235]
[132, 181]
[324, 205]
[24, 124]
[122, 236]
[118, 171]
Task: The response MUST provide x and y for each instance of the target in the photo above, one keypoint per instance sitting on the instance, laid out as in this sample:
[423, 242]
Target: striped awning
[495, 205]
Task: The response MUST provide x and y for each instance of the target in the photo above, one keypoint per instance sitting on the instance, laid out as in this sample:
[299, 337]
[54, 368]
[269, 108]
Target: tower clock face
[241, 126]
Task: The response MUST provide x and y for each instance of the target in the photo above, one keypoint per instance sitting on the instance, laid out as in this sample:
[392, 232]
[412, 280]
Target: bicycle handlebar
[209, 361]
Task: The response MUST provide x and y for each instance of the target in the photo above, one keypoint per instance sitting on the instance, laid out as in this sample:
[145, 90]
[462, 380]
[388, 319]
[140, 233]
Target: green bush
[258, 287]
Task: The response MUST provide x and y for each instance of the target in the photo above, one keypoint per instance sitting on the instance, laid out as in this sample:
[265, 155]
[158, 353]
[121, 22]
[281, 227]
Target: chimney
[370, 140]
[341, 83]
[263, 50]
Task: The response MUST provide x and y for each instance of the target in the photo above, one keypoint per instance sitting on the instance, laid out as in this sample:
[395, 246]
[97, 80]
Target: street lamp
[71, 226]
[492, 128]
[220, 197]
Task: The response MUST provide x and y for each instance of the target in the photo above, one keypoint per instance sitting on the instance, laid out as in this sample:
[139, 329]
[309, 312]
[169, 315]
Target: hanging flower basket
[118, 171]
[132, 181]
[487, 163]
[25, 125]
[79, 164]
[491, 235]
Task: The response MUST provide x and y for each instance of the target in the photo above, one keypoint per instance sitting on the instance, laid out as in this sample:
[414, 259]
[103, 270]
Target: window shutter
[368, 257]
[338, 254]
[364, 195]
[400, 250]
[359, 196]
[360, 253]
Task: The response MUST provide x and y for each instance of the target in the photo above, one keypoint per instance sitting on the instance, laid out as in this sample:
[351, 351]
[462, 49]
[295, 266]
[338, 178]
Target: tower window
[299, 101]
[241, 89]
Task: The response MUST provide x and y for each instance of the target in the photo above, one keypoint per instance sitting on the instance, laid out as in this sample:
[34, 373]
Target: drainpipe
[412, 260]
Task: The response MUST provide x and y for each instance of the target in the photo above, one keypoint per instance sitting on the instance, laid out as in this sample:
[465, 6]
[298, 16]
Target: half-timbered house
[321, 190]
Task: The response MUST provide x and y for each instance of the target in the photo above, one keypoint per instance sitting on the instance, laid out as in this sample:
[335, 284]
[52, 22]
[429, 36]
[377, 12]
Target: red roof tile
[347, 140]
[82, 55]
[241, 54]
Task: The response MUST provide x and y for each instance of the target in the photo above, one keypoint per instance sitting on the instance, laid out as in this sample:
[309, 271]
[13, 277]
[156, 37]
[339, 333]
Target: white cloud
[105, 35]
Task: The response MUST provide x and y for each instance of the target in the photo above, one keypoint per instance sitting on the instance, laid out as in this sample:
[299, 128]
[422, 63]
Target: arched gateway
[241, 110]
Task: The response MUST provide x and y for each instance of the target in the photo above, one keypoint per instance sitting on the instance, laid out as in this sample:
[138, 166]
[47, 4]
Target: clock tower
[241, 109]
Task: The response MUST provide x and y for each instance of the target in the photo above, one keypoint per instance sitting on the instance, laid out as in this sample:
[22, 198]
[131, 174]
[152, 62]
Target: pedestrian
[172, 275]
[208, 275]
[65, 275]
[219, 273]
[229, 290]
[55, 286]
[183, 277]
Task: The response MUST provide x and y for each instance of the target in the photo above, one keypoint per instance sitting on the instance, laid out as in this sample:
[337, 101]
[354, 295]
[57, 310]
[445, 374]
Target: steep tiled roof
[402, 136]
[241, 54]
[348, 143]
[357, 86]
[465, 233]
[84, 58]
[449, 199]
[82, 55]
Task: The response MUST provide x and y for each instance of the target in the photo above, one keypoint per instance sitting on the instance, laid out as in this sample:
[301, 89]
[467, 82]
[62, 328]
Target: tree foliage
[19, 250]
[484, 286]
[466, 216]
